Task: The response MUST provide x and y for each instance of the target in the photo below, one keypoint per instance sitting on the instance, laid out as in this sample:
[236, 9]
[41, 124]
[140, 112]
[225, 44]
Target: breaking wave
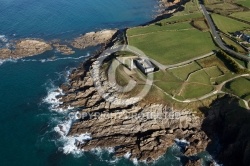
[13, 60]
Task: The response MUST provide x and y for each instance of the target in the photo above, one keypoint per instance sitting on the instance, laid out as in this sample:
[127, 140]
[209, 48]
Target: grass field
[167, 82]
[242, 15]
[228, 25]
[199, 77]
[245, 3]
[213, 61]
[223, 78]
[180, 18]
[157, 28]
[214, 71]
[223, 7]
[170, 47]
[201, 25]
[195, 91]
[230, 42]
[183, 72]
[189, 8]
[239, 87]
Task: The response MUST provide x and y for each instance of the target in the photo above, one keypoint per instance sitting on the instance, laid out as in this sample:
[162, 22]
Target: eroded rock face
[24, 48]
[144, 132]
[228, 125]
[93, 39]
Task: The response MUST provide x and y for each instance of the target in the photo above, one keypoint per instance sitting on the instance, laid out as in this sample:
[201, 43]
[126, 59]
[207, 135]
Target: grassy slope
[239, 87]
[195, 91]
[167, 82]
[228, 25]
[244, 3]
[183, 72]
[170, 47]
[214, 71]
[156, 28]
[242, 15]
[229, 42]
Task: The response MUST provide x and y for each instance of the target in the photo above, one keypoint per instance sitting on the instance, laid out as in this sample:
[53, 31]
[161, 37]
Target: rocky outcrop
[64, 49]
[24, 48]
[93, 39]
[144, 132]
[227, 125]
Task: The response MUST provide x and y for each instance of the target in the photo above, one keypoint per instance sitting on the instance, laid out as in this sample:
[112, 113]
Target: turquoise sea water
[26, 121]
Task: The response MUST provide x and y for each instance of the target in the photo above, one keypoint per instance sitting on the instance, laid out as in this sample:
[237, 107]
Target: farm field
[171, 47]
[245, 3]
[183, 71]
[228, 25]
[239, 87]
[242, 15]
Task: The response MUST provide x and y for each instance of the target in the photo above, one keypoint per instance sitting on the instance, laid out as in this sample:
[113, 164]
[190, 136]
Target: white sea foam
[182, 142]
[53, 99]
[70, 142]
[3, 38]
[135, 161]
[2, 61]
[127, 155]
[65, 58]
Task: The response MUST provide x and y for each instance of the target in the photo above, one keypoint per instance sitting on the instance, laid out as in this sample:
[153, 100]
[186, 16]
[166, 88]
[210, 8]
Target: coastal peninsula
[189, 82]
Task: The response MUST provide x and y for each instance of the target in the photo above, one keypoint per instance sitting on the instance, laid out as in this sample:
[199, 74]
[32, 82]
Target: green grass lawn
[245, 3]
[225, 77]
[228, 25]
[239, 87]
[183, 71]
[182, 18]
[195, 91]
[200, 77]
[213, 71]
[213, 61]
[201, 25]
[189, 8]
[167, 82]
[242, 15]
[230, 42]
[171, 47]
[152, 29]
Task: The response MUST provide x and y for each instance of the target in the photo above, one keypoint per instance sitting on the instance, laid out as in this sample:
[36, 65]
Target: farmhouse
[242, 36]
[238, 34]
[144, 65]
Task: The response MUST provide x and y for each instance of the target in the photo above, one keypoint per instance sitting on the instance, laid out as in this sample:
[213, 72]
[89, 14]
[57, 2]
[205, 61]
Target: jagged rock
[127, 128]
[93, 38]
[24, 48]
[64, 49]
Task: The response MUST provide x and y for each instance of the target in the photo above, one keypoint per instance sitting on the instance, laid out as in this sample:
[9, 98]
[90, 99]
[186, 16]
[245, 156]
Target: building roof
[145, 63]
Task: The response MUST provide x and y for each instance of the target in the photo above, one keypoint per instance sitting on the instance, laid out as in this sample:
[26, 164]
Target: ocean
[28, 122]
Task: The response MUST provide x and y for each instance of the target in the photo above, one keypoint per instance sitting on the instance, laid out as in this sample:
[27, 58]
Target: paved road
[217, 38]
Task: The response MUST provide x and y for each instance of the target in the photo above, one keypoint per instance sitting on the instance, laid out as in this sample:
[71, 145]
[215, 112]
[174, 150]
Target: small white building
[144, 65]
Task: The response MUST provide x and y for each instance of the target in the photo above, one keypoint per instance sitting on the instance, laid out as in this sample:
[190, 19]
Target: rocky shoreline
[93, 39]
[144, 131]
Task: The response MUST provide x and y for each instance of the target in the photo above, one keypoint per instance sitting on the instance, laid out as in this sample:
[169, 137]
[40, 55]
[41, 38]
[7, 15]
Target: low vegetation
[239, 87]
[233, 45]
[245, 3]
[184, 71]
[231, 64]
[171, 46]
[228, 25]
[242, 15]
